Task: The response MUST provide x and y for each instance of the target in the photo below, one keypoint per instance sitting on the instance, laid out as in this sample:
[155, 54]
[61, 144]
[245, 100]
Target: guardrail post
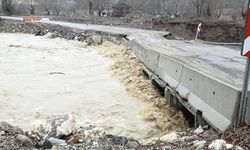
[244, 95]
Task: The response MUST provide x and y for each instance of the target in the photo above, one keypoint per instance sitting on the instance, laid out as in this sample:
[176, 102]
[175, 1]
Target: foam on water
[41, 77]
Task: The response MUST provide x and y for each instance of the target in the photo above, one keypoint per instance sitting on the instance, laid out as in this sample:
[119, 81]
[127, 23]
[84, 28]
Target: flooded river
[40, 77]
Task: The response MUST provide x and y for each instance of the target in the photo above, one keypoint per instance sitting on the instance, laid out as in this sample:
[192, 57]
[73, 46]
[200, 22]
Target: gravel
[40, 29]
[44, 137]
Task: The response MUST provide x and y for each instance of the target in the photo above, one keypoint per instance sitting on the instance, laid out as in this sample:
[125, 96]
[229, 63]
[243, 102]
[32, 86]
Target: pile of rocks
[60, 132]
[56, 31]
[194, 139]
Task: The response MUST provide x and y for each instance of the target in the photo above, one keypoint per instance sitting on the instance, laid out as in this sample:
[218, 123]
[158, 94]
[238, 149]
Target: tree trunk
[209, 14]
[243, 13]
[32, 10]
[197, 8]
[8, 7]
[47, 11]
[90, 7]
[220, 10]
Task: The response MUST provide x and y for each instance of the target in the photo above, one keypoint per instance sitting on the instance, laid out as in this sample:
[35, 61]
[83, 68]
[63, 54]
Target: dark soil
[213, 31]
[227, 32]
[238, 136]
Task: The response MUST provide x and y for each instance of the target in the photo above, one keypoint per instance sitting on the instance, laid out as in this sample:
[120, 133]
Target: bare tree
[208, 9]
[50, 6]
[198, 4]
[32, 4]
[56, 6]
[77, 4]
[243, 8]
[98, 5]
[8, 6]
[219, 9]
[236, 10]
[45, 6]
[138, 4]
[158, 7]
[177, 4]
[211, 7]
[90, 4]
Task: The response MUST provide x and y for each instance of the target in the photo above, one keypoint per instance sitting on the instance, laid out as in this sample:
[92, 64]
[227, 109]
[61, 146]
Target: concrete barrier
[148, 57]
[169, 70]
[214, 100]
[138, 50]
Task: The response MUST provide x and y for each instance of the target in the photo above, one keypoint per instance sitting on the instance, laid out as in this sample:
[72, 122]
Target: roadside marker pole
[198, 30]
[245, 52]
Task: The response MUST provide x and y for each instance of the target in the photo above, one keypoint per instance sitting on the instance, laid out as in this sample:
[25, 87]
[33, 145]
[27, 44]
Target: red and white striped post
[246, 43]
[245, 52]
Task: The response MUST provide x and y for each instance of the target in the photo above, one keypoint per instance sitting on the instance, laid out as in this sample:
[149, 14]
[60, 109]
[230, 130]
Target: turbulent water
[129, 71]
[41, 76]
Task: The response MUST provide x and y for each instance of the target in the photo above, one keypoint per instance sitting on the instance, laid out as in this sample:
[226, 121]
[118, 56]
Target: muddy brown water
[41, 77]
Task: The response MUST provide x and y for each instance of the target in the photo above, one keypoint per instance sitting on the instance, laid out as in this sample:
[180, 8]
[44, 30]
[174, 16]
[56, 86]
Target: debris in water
[129, 70]
[56, 73]
[56, 141]
[198, 130]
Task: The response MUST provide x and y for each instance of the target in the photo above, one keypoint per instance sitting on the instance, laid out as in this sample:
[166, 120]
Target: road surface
[220, 62]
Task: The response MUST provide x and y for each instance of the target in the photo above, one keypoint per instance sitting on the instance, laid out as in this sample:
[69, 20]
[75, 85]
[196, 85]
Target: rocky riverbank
[59, 132]
[40, 29]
